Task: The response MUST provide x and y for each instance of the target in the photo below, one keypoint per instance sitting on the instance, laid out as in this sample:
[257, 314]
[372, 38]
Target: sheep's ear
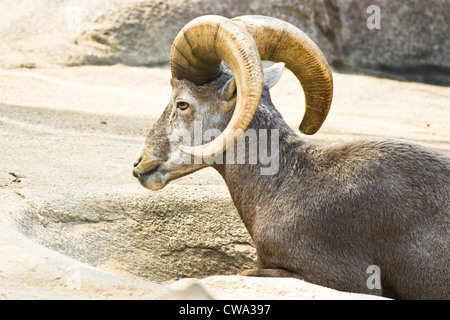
[174, 82]
[229, 90]
[273, 74]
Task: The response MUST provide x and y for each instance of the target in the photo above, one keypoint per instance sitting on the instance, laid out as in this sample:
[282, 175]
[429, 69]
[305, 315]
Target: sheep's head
[206, 96]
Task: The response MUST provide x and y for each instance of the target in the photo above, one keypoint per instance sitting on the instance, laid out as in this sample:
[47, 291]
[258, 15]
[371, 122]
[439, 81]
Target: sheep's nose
[137, 162]
[135, 173]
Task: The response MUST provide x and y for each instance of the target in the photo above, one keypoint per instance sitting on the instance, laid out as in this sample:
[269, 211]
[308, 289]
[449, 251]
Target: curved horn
[196, 55]
[280, 41]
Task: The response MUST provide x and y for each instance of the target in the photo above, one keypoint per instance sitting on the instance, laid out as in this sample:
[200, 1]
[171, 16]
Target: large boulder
[142, 33]
[411, 42]
[159, 236]
[31, 271]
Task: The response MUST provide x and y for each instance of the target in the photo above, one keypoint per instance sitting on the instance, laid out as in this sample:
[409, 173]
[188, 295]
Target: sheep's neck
[253, 192]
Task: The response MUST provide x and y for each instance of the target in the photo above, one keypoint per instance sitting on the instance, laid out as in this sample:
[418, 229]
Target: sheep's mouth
[155, 179]
[142, 177]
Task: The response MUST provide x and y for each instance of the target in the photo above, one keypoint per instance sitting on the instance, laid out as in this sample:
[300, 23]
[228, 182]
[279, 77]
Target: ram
[324, 214]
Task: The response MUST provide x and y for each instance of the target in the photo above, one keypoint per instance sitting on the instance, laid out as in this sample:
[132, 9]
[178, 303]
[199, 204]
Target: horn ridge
[300, 55]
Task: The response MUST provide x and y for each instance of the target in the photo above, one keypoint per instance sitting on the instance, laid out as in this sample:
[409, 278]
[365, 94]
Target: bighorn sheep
[326, 215]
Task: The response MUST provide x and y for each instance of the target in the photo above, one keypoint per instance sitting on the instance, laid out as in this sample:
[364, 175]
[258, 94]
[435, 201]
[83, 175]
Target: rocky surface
[193, 232]
[71, 212]
[238, 287]
[412, 42]
[30, 271]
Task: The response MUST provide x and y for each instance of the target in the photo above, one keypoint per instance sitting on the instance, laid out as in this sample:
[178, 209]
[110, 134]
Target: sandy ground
[83, 125]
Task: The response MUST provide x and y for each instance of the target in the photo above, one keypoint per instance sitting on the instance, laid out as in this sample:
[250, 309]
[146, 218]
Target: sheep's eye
[182, 105]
